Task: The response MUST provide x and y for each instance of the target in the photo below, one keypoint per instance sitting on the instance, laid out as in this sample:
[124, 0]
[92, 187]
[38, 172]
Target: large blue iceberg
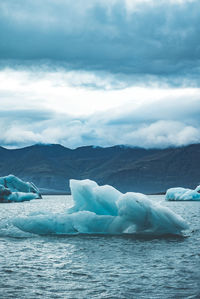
[104, 210]
[182, 194]
[13, 189]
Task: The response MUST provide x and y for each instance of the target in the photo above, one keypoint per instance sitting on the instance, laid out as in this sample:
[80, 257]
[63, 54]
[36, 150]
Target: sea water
[93, 266]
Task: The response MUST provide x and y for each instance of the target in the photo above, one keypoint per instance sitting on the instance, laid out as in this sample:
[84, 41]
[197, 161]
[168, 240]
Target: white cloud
[19, 135]
[80, 108]
[165, 134]
[101, 73]
[78, 93]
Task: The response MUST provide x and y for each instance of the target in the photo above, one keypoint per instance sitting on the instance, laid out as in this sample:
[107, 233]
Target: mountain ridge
[126, 168]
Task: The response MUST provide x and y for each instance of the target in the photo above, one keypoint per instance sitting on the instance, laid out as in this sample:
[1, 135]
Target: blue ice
[105, 210]
[13, 189]
[183, 194]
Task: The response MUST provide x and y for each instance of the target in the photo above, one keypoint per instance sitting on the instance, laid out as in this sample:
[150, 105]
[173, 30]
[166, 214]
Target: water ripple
[98, 266]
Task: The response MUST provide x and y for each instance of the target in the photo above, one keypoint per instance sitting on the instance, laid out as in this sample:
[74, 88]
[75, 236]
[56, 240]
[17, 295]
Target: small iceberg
[13, 189]
[105, 210]
[181, 194]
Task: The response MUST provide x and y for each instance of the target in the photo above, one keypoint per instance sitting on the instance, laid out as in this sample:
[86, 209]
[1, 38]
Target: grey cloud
[154, 41]
[182, 109]
[25, 115]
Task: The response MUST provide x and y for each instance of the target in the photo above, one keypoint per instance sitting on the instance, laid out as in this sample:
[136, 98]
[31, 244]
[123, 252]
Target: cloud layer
[96, 130]
[43, 108]
[102, 73]
[145, 40]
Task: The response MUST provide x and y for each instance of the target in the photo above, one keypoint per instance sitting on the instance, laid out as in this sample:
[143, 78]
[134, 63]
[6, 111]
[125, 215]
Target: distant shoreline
[158, 193]
[68, 193]
[56, 193]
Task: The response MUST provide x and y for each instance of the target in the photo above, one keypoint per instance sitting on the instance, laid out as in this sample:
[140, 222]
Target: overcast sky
[98, 72]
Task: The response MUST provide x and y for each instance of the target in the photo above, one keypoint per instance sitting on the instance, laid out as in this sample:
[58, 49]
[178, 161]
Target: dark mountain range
[126, 168]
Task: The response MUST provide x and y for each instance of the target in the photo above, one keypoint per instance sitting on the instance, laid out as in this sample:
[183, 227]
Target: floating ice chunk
[104, 210]
[183, 194]
[15, 184]
[14, 189]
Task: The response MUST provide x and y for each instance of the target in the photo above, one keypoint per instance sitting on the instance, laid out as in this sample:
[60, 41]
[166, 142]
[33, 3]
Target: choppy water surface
[34, 266]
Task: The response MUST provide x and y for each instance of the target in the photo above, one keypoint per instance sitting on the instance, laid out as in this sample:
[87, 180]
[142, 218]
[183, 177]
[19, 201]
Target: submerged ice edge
[105, 210]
